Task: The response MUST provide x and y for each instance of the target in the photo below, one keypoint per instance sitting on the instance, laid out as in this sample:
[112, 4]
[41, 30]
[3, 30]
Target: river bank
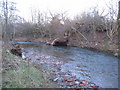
[38, 71]
[109, 48]
[54, 67]
[19, 73]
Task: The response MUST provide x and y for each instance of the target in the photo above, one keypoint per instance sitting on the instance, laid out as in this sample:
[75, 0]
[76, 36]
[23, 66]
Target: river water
[97, 67]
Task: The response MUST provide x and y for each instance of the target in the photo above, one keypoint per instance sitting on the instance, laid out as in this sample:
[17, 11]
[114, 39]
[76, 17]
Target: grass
[17, 73]
[0, 64]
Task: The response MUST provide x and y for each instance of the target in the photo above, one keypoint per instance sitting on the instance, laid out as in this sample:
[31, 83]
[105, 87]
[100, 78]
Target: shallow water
[85, 64]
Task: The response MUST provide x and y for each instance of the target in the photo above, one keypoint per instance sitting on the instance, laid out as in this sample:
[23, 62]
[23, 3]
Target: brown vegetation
[91, 29]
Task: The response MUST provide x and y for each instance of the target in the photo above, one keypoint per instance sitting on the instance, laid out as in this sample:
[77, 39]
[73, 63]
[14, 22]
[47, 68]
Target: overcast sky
[73, 7]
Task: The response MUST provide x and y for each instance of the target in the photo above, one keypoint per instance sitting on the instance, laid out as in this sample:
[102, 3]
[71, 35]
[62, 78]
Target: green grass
[19, 74]
[0, 65]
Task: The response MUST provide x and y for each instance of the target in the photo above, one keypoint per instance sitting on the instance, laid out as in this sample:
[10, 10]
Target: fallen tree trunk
[59, 42]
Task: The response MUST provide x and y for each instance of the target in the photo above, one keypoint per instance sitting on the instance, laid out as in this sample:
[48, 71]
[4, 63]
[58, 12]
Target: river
[85, 64]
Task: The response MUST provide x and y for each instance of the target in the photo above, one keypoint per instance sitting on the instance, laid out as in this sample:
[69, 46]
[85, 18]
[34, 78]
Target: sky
[72, 7]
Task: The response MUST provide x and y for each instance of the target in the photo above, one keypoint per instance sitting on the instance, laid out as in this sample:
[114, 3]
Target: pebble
[70, 84]
[67, 75]
[77, 79]
[78, 88]
[92, 84]
[73, 76]
[59, 68]
[69, 80]
[64, 79]
[76, 82]
[85, 82]
[55, 79]
[81, 84]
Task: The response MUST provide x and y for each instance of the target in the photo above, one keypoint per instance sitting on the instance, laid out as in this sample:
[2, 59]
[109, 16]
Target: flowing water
[100, 68]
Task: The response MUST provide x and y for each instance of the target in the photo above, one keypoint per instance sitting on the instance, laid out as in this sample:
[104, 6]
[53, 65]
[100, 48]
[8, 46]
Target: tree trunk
[118, 18]
[6, 23]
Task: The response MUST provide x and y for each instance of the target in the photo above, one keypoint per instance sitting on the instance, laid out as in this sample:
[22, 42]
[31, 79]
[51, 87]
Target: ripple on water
[85, 64]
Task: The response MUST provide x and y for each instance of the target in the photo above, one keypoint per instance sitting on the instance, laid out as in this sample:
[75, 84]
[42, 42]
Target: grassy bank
[18, 73]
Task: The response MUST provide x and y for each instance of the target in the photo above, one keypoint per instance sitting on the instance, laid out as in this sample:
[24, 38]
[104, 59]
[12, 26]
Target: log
[59, 42]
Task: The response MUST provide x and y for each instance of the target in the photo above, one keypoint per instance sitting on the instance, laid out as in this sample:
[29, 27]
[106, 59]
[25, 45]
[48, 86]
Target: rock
[70, 84]
[77, 79]
[73, 76]
[95, 86]
[92, 84]
[69, 80]
[23, 56]
[65, 79]
[85, 82]
[16, 50]
[81, 84]
[37, 59]
[76, 82]
[48, 43]
[55, 79]
[78, 88]
[59, 68]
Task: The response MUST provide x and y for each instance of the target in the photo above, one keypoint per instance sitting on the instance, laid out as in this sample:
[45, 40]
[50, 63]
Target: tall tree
[5, 17]
[118, 20]
[118, 11]
[8, 16]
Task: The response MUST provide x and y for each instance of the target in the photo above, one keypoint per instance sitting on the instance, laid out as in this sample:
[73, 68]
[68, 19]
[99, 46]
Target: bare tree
[9, 17]
[57, 24]
[111, 25]
[5, 14]
[118, 17]
[118, 20]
